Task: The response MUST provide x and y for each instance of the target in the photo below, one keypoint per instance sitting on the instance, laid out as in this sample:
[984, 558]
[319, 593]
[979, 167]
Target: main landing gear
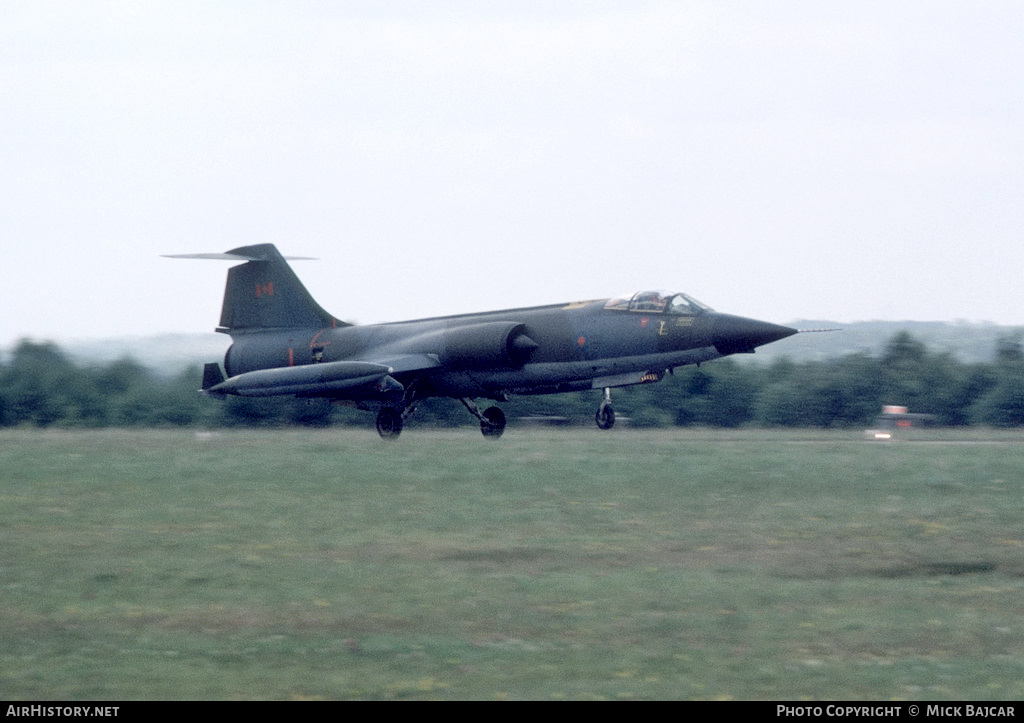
[605, 416]
[390, 420]
[492, 419]
[391, 417]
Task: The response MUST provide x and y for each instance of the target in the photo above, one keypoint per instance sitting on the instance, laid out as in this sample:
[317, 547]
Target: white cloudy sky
[783, 160]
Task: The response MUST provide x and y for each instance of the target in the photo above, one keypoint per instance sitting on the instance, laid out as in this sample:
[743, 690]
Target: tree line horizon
[42, 386]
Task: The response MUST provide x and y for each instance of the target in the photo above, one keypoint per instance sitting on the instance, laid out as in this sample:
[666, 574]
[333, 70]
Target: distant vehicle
[895, 417]
[284, 343]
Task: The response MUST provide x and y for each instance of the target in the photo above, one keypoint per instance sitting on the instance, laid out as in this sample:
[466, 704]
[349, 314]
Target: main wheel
[493, 424]
[389, 423]
[605, 417]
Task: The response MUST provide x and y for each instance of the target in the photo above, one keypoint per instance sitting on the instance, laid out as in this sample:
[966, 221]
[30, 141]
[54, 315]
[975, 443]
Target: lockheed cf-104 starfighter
[285, 343]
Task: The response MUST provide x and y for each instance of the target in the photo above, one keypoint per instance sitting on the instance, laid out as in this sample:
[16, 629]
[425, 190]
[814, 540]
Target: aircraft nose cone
[739, 335]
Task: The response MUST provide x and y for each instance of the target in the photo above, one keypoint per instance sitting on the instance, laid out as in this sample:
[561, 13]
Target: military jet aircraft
[284, 343]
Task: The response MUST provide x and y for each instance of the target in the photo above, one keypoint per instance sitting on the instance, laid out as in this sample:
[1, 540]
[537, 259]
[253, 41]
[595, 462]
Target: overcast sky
[783, 160]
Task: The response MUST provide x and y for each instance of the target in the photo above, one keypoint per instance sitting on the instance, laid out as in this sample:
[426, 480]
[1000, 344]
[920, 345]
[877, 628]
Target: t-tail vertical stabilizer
[264, 293]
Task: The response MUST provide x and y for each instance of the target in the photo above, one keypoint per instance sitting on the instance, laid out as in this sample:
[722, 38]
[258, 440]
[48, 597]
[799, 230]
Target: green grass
[551, 564]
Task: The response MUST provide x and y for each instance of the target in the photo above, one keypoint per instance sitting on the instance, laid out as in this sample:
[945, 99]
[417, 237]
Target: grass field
[552, 564]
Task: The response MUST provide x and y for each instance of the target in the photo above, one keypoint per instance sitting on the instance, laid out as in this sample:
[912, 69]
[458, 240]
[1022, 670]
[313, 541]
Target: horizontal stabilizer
[232, 257]
[264, 293]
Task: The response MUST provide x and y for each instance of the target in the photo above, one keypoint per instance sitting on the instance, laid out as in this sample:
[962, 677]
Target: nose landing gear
[605, 416]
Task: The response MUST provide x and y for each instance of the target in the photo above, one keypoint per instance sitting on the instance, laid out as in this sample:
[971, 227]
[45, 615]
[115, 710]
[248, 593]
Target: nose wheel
[605, 416]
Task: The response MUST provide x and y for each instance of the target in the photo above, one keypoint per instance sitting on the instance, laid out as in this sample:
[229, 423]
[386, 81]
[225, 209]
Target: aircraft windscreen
[657, 302]
[683, 304]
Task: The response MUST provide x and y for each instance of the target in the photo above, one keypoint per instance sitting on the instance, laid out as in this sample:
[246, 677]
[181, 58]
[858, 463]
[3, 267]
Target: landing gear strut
[391, 417]
[492, 419]
[605, 416]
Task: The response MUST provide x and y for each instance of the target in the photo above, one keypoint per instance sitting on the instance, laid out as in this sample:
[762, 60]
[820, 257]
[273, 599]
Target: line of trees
[851, 390]
[41, 386]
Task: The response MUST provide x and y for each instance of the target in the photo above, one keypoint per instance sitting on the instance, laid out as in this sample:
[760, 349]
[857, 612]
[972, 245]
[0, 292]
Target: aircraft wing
[409, 362]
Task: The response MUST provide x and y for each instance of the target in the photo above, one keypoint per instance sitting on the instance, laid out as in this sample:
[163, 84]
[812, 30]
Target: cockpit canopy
[658, 302]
